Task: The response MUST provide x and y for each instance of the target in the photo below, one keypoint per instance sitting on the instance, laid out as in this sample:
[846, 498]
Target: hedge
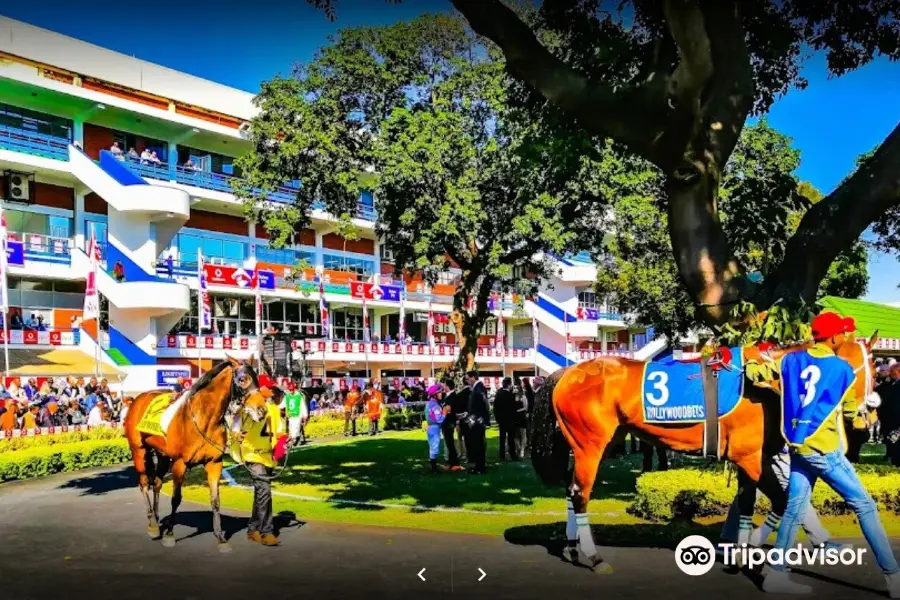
[47, 460]
[395, 417]
[32, 441]
[692, 493]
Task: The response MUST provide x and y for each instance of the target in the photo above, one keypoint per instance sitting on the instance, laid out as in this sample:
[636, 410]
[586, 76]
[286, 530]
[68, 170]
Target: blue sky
[242, 43]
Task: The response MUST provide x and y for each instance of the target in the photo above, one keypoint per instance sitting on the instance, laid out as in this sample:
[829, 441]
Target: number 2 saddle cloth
[672, 390]
[159, 413]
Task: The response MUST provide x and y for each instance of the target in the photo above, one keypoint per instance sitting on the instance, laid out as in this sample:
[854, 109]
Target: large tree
[696, 70]
[761, 205]
[463, 175]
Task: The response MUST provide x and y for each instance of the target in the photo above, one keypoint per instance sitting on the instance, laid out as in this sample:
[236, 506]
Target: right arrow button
[483, 574]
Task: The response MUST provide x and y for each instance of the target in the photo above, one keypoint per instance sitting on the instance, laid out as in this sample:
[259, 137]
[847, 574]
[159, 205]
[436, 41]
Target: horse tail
[549, 449]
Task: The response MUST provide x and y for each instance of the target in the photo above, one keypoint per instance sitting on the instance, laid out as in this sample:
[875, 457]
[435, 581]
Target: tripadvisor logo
[695, 555]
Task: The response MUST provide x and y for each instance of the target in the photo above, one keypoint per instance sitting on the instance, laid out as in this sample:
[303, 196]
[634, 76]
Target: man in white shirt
[95, 417]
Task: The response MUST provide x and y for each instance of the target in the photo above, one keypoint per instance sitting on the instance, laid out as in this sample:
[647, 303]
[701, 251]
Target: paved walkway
[82, 536]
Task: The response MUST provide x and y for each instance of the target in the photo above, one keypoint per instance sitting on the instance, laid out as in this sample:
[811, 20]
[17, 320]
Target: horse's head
[246, 395]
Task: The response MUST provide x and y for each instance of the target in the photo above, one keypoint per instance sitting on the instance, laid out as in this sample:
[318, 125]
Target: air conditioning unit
[19, 187]
[387, 255]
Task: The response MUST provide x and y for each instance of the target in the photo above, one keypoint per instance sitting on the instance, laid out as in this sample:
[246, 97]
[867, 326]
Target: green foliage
[779, 324]
[38, 461]
[24, 442]
[392, 417]
[420, 111]
[697, 493]
[761, 204]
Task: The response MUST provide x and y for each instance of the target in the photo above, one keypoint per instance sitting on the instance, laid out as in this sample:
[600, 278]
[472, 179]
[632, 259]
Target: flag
[500, 330]
[203, 305]
[323, 311]
[402, 334]
[253, 265]
[430, 324]
[91, 295]
[4, 289]
[366, 336]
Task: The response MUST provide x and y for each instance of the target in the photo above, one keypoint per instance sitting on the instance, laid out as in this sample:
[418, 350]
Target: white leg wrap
[571, 527]
[585, 539]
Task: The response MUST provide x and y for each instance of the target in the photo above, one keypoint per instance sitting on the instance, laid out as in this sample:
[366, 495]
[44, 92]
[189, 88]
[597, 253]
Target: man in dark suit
[448, 427]
[505, 415]
[478, 417]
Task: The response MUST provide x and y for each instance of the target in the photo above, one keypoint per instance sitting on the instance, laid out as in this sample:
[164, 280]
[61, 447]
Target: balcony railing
[34, 143]
[44, 248]
[223, 183]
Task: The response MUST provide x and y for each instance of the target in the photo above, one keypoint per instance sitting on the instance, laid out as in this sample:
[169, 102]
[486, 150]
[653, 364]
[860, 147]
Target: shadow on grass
[395, 470]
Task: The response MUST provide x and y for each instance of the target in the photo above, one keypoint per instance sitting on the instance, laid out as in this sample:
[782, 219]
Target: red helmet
[829, 324]
[291, 386]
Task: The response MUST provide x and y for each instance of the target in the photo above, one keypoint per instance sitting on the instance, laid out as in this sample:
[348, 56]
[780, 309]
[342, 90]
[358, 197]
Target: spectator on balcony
[154, 160]
[132, 154]
[119, 271]
[75, 322]
[116, 151]
[40, 324]
[74, 414]
[15, 321]
[190, 166]
[146, 156]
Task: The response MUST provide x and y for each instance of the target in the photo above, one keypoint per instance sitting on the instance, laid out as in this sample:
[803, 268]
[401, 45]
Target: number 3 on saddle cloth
[672, 390]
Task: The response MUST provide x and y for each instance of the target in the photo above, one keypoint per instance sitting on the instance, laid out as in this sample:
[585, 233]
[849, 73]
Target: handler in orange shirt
[374, 400]
[350, 410]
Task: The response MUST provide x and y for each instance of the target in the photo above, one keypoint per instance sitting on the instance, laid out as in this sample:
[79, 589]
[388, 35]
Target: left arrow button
[420, 574]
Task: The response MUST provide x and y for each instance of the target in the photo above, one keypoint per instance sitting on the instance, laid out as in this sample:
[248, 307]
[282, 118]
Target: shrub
[692, 493]
[48, 459]
[95, 433]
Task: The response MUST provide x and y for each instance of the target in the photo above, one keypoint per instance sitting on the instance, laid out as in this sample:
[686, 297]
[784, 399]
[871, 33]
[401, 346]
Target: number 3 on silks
[659, 379]
[810, 377]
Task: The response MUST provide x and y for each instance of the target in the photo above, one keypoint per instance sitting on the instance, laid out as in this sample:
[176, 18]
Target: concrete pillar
[78, 216]
[78, 131]
[319, 245]
[173, 159]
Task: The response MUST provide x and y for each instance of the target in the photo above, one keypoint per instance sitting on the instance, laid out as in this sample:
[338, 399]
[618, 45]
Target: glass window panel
[187, 248]
[276, 311]
[60, 227]
[292, 312]
[212, 248]
[234, 251]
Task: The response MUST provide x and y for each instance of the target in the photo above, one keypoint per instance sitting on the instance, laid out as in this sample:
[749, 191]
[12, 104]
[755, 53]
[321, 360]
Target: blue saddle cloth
[672, 390]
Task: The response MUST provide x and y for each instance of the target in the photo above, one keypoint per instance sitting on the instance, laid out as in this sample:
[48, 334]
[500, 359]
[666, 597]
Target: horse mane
[208, 377]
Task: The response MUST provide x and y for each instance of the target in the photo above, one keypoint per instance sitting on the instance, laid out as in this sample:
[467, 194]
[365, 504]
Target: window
[210, 162]
[20, 221]
[348, 323]
[29, 120]
[44, 293]
[127, 141]
[448, 277]
[360, 266]
[216, 250]
[588, 299]
[367, 199]
[234, 316]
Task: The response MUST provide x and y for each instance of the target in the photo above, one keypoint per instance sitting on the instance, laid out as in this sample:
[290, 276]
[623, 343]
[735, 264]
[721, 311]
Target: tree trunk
[706, 264]
[469, 325]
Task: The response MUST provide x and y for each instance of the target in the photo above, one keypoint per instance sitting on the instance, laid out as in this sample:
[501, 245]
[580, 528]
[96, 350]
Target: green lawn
[392, 469]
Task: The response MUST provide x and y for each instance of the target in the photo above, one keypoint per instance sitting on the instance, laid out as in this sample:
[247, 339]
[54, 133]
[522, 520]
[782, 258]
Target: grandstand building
[69, 108]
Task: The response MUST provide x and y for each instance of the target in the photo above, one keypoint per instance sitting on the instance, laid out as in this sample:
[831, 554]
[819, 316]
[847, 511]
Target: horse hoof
[152, 532]
[570, 555]
[168, 541]
[224, 547]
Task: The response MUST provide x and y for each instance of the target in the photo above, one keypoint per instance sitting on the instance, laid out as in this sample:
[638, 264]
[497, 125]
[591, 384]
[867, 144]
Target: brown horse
[581, 407]
[197, 435]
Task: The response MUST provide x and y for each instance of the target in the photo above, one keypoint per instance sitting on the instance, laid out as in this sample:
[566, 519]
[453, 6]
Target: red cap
[291, 386]
[829, 324]
[266, 381]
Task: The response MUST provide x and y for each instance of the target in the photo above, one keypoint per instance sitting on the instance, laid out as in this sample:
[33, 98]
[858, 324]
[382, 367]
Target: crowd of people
[63, 401]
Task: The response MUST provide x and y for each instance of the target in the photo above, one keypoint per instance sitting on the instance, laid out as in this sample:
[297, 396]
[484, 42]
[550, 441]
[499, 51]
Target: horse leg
[586, 465]
[143, 464]
[213, 475]
[749, 472]
[178, 471]
[162, 467]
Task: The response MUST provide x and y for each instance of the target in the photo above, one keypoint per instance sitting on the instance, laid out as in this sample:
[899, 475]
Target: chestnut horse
[581, 407]
[197, 435]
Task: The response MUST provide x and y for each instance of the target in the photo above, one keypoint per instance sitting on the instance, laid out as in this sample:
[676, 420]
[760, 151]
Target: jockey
[253, 443]
[434, 416]
[816, 395]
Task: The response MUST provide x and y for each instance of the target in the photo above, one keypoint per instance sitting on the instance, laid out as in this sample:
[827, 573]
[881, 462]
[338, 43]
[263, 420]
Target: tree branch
[731, 92]
[835, 222]
[635, 115]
